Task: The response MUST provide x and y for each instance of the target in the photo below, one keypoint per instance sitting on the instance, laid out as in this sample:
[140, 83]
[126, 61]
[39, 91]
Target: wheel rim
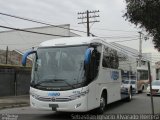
[102, 103]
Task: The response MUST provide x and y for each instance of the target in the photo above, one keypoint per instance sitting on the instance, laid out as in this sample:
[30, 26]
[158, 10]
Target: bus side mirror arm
[88, 64]
[87, 58]
[24, 58]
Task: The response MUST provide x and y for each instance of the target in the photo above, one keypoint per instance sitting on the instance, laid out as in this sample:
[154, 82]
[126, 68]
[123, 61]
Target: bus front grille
[52, 99]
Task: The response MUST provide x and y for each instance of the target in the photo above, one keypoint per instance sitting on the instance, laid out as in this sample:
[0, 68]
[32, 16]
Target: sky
[112, 25]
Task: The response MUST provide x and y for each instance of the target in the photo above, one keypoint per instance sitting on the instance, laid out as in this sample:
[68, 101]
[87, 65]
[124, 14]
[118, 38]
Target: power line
[32, 31]
[126, 40]
[51, 34]
[105, 29]
[121, 49]
[126, 50]
[19, 34]
[133, 54]
[113, 30]
[35, 21]
[14, 44]
[117, 37]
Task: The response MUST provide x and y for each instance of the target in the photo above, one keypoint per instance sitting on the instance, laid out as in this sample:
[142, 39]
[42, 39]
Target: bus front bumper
[77, 105]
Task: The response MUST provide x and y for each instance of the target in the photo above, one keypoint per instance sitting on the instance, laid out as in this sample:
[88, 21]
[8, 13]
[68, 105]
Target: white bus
[142, 78]
[78, 74]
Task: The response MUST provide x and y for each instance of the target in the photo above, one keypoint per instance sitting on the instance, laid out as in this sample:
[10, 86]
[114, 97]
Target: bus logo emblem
[53, 99]
[54, 94]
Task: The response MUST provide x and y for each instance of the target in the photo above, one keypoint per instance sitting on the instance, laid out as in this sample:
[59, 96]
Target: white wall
[23, 40]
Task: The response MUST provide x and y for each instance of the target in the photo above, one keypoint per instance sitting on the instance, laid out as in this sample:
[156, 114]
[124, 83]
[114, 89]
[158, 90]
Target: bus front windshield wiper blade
[44, 81]
[52, 81]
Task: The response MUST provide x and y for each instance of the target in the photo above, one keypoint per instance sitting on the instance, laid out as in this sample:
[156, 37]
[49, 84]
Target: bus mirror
[24, 58]
[88, 54]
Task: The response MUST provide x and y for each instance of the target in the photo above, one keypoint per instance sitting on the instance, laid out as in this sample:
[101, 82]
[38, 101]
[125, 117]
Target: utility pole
[7, 55]
[130, 71]
[86, 15]
[150, 83]
[88, 33]
[140, 49]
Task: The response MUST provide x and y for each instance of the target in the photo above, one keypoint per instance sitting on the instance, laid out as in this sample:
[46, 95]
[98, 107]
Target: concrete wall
[14, 80]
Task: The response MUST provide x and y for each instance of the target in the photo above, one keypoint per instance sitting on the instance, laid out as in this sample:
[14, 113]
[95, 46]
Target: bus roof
[67, 41]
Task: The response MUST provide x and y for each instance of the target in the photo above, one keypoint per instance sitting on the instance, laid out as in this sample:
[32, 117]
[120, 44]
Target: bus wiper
[44, 81]
[52, 81]
[65, 82]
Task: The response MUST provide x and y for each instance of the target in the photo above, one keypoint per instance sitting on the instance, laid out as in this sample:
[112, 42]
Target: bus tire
[129, 98]
[142, 88]
[103, 103]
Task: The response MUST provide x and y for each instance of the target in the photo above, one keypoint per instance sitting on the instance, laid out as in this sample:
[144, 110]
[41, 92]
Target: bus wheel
[129, 98]
[103, 102]
[142, 89]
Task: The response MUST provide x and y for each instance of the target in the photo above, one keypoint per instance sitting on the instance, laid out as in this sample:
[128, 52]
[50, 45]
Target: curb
[15, 106]
[19, 96]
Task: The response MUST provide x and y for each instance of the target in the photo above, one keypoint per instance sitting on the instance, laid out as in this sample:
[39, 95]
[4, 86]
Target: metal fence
[14, 80]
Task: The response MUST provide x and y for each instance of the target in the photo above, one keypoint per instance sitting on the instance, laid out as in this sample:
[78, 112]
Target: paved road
[139, 105]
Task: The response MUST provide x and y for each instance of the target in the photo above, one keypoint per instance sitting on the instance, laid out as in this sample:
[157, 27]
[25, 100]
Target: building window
[142, 75]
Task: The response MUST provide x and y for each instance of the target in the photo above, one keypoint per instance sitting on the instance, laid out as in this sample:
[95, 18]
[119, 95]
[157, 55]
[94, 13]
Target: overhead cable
[35, 21]
[23, 30]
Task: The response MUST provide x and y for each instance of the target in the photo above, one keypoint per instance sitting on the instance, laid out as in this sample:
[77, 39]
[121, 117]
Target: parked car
[155, 88]
[127, 84]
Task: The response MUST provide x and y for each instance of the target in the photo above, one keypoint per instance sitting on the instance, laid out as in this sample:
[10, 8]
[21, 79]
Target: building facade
[13, 57]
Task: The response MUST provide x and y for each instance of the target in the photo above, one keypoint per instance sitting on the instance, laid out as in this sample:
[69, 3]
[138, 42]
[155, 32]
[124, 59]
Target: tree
[145, 14]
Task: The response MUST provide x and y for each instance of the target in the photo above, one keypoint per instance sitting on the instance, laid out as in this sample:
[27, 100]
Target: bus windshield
[59, 67]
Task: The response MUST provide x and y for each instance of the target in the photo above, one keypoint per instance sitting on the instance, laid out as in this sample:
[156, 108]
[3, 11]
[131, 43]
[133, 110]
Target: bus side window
[110, 58]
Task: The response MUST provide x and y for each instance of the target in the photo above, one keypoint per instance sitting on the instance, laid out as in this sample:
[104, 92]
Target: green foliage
[146, 14]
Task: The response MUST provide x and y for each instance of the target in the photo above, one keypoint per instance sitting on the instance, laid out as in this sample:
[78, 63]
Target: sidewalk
[14, 101]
